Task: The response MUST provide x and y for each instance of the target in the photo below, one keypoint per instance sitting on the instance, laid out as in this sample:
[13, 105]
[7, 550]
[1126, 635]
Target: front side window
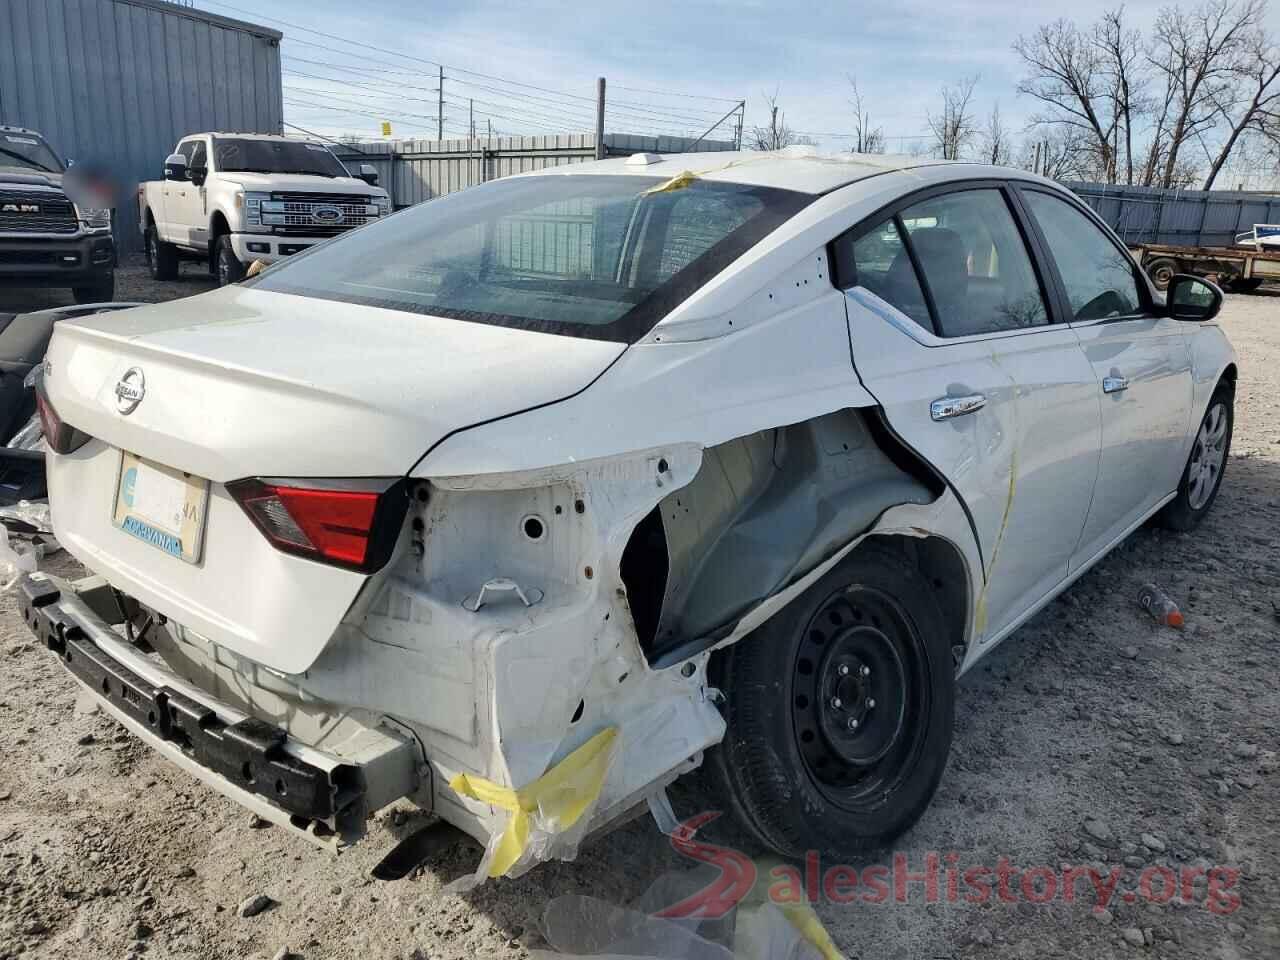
[199, 156]
[1098, 277]
[242, 155]
[27, 152]
[604, 257]
[975, 264]
[878, 261]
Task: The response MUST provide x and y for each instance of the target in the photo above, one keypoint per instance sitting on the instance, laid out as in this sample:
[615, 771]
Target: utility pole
[600, 118]
[472, 108]
[773, 128]
[440, 108]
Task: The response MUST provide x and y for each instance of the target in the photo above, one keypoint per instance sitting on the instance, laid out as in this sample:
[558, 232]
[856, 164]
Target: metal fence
[417, 170]
[1184, 218]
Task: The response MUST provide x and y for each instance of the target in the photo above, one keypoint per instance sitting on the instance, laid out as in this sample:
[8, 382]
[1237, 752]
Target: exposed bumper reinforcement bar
[245, 758]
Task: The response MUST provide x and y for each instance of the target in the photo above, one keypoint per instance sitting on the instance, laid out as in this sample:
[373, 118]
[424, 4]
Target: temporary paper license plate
[162, 506]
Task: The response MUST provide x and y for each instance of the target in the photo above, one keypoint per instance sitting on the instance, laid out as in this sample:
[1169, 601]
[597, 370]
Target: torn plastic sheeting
[13, 564]
[549, 816]
[584, 926]
[34, 513]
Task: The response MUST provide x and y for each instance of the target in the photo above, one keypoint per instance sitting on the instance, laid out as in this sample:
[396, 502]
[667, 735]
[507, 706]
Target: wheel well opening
[644, 570]
[1229, 375]
[942, 564]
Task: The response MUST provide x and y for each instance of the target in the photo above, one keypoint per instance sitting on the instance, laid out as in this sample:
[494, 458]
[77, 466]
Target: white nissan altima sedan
[527, 500]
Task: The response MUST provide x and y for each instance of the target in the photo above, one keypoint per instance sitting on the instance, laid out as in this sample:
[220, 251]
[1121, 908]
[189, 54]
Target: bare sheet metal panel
[1184, 218]
[417, 170]
[121, 81]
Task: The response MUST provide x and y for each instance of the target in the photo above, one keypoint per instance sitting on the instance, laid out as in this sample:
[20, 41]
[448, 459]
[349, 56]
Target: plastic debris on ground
[548, 818]
[755, 929]
[31, 513]
[1160, 606]
[15, 560]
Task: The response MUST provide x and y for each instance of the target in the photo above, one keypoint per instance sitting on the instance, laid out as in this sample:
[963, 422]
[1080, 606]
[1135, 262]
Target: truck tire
[1161, 271]
[229, 268]
[838, 711]
[162, 257]
[104, 291]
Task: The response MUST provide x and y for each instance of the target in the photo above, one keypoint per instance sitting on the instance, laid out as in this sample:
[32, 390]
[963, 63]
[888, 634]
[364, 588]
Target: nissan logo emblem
[130, 389]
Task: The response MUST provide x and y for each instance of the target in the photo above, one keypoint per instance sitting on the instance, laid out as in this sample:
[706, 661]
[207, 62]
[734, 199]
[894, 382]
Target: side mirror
[369, 174]
[175, 167]
[197, 175]
[1192, 298]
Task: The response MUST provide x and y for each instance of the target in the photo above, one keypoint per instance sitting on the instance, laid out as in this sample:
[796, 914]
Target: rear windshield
[604, 257]
[233, 155]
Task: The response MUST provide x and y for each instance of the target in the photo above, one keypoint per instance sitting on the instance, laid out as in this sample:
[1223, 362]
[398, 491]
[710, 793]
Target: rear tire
[1161, 271]
[104, 291]
[229, 268]
[839, 711]
[1202, 476]
[162, 257]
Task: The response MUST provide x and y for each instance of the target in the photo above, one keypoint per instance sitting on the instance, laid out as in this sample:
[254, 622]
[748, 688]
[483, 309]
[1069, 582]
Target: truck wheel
[230, 269]
[104, 291]
[839, 711]
[1161, 271]
[162, 257]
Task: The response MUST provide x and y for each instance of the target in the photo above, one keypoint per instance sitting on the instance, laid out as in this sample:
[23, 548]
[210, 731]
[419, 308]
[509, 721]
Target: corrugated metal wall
[417, 170]
[1185, 218]
[120, 81]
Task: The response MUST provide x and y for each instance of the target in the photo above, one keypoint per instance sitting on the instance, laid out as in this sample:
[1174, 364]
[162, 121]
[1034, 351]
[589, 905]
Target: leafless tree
[1060, 152]
[1123, 65]
[1200, 54]
[997, 144]
[777, 134]
[955, 127]
[867, 139]
[1253, 105]
[1065, 73]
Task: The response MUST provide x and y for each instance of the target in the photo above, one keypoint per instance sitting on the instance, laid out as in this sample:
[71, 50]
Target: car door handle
[1115, 384]
[944, 408]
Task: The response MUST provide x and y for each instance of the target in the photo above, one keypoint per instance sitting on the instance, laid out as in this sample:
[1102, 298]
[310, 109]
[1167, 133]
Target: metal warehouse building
[120, 81]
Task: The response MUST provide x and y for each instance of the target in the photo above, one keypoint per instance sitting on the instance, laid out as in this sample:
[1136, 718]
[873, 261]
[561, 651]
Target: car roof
[804, 169]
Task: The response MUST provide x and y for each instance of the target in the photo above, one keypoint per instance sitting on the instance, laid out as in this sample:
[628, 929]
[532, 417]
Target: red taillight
[340, 524]
[61, 436]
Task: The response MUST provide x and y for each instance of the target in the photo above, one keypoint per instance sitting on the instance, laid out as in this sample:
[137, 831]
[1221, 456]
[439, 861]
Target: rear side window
[878, 261]
[1097, 275]
[975, 263]
[604, 257]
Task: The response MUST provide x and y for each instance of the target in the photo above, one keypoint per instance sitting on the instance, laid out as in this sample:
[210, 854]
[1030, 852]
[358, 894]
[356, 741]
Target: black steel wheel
[839, 710]
[1161, 271]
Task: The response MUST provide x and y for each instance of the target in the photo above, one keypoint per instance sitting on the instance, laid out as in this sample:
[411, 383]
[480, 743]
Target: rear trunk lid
[241, 383]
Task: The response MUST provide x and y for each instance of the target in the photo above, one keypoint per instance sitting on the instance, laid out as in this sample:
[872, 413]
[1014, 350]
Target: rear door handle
[944, 408]
[1115, 384]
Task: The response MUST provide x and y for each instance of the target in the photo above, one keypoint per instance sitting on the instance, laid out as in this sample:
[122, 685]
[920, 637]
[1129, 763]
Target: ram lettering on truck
[229, 199]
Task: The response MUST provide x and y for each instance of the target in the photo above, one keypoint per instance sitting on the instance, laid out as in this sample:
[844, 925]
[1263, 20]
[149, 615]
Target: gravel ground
[1090, 737]
[133, 283]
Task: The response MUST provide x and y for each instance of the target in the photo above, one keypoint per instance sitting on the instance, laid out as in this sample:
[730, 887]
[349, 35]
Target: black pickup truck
[46, 240]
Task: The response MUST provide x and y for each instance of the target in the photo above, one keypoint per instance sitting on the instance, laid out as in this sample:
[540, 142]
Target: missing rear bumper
[245, 758]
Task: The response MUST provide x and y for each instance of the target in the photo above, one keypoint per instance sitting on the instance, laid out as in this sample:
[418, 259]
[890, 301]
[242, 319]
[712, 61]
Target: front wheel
[103, 291]
[1202, 476]
[162, 257]
[839, 710]
[230, 269]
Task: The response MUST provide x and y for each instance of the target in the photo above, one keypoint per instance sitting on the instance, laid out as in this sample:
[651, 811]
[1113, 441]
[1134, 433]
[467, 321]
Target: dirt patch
[1089, 737]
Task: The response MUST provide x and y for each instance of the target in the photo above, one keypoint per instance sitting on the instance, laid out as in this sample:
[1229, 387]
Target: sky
[664, 63]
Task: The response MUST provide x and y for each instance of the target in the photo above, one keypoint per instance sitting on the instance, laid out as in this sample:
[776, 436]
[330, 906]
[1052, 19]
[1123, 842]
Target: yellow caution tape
[805, 920]
[678, 182]
[564, 793]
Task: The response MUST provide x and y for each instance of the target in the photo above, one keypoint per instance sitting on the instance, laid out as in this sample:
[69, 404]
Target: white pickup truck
[232, 198]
